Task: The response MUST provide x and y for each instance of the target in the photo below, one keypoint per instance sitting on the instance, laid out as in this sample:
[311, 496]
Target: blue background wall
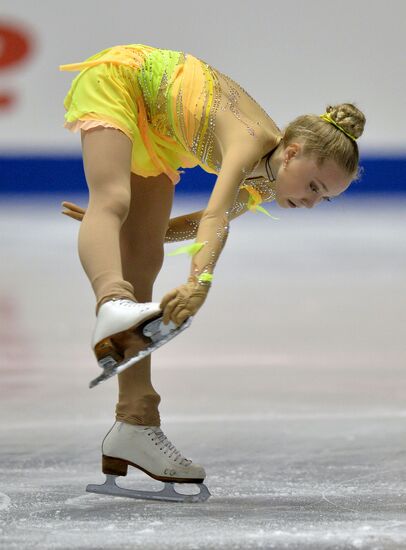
[24, 175]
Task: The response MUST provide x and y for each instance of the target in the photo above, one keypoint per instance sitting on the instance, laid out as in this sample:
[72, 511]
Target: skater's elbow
[215, 214]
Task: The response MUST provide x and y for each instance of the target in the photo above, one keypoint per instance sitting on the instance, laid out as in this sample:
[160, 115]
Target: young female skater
[144, 112]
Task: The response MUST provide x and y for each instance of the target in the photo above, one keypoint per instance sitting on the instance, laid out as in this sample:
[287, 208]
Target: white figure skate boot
[117, 320]
[148, 449]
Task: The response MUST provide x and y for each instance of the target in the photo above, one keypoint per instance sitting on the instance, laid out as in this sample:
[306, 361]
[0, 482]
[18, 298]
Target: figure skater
[143, 113]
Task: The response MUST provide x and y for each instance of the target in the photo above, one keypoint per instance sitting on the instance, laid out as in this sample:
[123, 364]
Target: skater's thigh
[107, 165]
[144, 230]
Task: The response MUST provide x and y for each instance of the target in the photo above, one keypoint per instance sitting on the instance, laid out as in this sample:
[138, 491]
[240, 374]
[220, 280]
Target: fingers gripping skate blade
[157, 328]
[168, 493]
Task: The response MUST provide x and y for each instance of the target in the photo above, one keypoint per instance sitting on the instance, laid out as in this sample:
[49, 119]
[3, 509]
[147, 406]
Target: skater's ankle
[152, 421]
[112, 298]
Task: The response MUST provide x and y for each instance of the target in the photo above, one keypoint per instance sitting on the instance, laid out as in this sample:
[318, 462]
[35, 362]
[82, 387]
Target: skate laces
[165, 443]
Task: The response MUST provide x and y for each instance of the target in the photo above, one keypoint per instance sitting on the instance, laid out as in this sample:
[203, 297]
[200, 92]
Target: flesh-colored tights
[121, 249]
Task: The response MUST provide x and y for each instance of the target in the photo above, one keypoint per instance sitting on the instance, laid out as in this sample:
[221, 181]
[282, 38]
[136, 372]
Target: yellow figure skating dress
[165, 101]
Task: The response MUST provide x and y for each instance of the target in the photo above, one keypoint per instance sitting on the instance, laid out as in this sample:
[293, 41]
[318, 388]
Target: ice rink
[289, 387]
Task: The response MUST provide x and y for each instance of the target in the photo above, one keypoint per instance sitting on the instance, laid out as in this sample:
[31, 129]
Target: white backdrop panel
[293, 57]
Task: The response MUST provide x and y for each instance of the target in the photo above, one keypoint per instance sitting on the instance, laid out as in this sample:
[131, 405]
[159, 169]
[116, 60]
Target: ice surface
[294, 400]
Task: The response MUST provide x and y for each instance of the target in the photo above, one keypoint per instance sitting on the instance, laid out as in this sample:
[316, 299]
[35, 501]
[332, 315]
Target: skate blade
[159, 335]
[168, 493]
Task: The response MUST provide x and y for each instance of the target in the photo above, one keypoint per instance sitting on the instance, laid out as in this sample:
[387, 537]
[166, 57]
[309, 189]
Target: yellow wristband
[205, 277]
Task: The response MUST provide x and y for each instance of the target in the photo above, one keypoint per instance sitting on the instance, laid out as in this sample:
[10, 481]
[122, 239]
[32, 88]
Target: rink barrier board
[64, 175]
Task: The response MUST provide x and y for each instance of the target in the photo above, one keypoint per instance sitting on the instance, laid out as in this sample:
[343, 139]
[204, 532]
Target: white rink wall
[293, 57]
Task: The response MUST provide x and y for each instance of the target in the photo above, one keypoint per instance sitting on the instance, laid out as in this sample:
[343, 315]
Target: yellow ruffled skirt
[135, 88]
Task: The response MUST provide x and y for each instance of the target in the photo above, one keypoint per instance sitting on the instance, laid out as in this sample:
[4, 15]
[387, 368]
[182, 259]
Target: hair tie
[328, 118]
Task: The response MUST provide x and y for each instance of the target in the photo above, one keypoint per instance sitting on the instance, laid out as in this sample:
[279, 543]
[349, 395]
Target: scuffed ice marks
[5, 502]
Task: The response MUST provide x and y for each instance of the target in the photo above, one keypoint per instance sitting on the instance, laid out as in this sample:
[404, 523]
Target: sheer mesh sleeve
[213, 229]
[183, 228]
[249, 116]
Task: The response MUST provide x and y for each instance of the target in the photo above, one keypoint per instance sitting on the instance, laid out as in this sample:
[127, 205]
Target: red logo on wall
[15, 48]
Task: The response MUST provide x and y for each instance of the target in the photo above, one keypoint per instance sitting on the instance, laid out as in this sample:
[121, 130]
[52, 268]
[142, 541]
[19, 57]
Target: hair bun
[349, 117]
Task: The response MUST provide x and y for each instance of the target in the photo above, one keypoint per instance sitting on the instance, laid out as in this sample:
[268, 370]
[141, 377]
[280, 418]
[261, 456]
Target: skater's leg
[142, 252]
[107, 165]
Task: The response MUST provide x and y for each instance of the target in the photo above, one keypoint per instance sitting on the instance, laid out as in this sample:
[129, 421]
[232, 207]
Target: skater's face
[304, 183]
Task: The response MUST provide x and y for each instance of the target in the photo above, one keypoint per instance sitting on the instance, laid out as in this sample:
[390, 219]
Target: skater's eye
[315, 188]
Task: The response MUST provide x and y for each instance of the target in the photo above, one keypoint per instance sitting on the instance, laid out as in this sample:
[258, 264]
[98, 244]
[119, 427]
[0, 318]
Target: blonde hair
[324, 141]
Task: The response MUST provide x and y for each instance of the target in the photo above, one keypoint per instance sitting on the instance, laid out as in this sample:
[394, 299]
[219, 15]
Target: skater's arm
[213, 229]
[181, 228]
[186, 300]
[185, 227]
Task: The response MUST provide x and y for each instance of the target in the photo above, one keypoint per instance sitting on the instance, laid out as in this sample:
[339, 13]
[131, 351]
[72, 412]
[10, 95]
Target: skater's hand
[73, 210]
[184, 301]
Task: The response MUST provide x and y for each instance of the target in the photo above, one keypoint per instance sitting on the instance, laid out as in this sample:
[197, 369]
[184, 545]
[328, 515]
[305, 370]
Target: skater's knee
[115, 201]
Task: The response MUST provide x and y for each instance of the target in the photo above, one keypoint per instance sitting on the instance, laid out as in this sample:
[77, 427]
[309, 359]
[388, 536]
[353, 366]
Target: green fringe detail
[190, 249]
[261, 209]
